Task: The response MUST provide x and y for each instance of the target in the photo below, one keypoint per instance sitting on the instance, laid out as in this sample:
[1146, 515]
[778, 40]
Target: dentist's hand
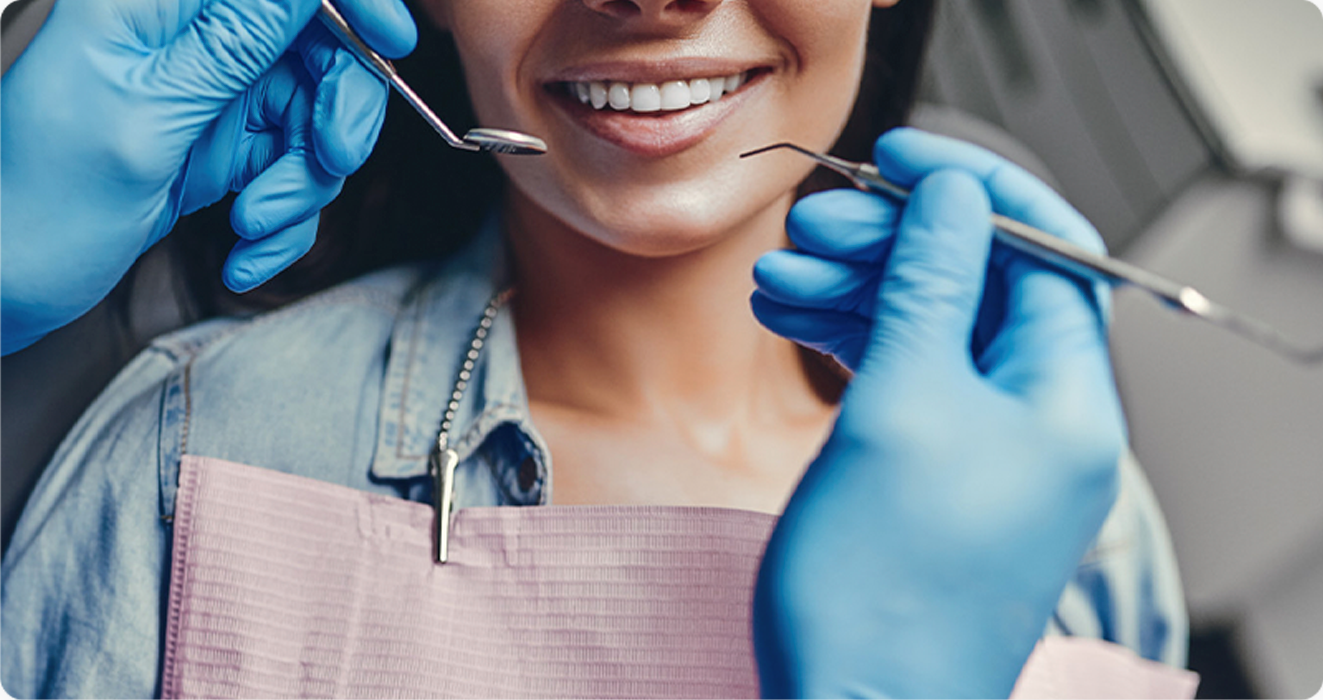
[123, 115]
[974, 458]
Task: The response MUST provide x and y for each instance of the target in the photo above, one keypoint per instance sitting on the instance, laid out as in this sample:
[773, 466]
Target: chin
[660, 219]
[657, 242]
[669, 227]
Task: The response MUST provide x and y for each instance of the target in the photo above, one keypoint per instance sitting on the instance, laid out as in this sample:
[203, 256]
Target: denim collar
[428, 344]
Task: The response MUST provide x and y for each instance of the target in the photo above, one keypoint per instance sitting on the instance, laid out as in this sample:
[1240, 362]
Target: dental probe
[1091, 266]
[480, 139]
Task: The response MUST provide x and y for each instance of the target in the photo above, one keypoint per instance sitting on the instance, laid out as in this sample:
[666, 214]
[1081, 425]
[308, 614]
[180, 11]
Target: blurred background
[1191, 133]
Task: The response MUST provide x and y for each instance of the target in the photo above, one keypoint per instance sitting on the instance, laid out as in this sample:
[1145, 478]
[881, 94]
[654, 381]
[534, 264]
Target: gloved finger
[840, 334]
[278, 112]
[228, 46]
[385, 25]
[1052, 346]
[261, 151]
[350, 104]
[347, 116]
[317, 46]
[928, 300]
[797, 279]
[843, 224]
[294, 188]
[905, 155]
[252, 263]
[283, 101]
[248, 136]
[211, 171]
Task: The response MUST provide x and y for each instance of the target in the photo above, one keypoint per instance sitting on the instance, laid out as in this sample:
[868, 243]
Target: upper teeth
[652, 97]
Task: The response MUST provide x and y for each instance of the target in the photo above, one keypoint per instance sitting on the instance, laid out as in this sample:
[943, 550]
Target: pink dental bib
[283, 586]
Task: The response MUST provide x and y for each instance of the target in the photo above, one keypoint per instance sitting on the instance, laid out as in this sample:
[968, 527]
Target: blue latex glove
[123, 115]
[974, 458]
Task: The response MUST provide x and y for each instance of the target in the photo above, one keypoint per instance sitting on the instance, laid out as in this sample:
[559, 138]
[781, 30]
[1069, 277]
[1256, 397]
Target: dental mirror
[505, 141]
[492, 140]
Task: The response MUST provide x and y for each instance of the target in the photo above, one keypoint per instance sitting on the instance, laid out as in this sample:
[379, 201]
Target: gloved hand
[122, 115]
[974, 457]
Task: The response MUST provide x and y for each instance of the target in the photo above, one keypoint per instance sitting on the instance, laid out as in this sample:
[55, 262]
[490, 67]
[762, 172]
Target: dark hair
[417, 199]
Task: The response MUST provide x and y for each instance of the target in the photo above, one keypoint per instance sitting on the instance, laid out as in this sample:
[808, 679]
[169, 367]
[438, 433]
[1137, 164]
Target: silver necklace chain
[444, 458]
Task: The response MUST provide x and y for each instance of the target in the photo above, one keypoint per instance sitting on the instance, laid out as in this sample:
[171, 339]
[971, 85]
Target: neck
[623, 336]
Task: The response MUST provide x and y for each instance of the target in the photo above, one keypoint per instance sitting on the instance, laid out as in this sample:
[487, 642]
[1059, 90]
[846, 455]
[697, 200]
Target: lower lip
[654, 134]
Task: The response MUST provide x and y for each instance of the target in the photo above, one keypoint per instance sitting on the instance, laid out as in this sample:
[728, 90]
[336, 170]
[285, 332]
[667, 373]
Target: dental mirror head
[505, 141]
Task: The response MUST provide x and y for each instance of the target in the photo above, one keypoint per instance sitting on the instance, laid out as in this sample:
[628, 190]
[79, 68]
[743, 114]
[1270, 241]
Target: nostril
[620, 8]
[656, 9]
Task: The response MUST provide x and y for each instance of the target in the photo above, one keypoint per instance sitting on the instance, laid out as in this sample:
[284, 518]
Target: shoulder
[296, 389]
[359, 303]
[82, 573]
[249, 389]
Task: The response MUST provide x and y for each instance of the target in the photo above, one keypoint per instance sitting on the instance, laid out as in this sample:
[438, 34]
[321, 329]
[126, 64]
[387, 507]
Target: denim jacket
[349, 386]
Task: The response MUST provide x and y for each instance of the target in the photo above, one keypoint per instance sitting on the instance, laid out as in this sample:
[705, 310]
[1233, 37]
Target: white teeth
[675, 95]
[717, 88]
[645, 97]
[618, 96]
[700, 91]
[670, 96]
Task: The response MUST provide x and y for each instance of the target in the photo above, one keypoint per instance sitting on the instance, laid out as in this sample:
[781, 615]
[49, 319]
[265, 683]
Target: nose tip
[668, 12]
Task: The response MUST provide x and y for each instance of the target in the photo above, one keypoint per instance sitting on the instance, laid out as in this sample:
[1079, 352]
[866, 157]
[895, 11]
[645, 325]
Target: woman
[629, 352]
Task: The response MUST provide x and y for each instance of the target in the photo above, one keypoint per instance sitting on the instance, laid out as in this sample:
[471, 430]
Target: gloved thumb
[928, 299]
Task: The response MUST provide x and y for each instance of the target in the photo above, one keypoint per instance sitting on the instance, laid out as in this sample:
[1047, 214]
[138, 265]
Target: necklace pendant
[443, 463]
[443, 460]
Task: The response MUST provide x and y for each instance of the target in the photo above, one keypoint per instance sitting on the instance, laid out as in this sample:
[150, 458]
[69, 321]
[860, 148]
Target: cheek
[493, 37]
[824, 22]
[829, 43]
[669, 215]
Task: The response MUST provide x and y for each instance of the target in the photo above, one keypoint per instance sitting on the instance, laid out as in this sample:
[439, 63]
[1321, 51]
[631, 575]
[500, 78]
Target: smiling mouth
[654, 119]
[650, 98]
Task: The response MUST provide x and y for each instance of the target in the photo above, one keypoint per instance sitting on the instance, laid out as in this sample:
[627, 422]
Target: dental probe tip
[775, 146]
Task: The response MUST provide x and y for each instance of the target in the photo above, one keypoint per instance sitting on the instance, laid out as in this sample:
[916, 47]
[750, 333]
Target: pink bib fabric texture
[283, 586]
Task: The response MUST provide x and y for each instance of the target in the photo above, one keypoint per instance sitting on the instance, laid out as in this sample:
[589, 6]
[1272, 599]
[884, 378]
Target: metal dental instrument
[1072, 258]
[480, 139]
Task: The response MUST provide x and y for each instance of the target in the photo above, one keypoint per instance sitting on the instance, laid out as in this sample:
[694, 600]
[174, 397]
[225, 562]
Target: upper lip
[656, 71]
